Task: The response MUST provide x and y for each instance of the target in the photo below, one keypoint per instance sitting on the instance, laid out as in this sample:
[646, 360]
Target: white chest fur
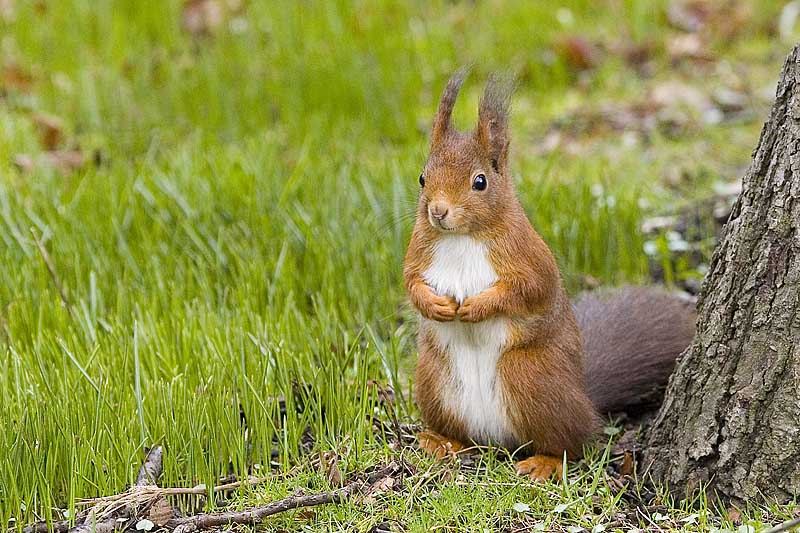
[460, 268]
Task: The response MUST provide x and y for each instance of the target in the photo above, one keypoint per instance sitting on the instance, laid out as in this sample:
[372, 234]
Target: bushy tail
[632, 337]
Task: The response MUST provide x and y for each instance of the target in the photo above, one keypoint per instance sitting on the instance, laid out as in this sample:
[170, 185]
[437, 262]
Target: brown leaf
[379, 487]
[50, 129]
[638, 56]
[578, 52]
[329, 462]
[14, 77]
[627, 466]
[307, 514]
[161, 512]
[734, 515]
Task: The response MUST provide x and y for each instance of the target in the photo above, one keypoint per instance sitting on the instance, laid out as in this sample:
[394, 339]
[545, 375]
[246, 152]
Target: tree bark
[731, 417]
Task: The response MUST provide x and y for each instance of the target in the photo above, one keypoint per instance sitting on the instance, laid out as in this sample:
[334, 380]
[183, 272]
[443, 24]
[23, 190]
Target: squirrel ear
[492, 129]
[441, 123]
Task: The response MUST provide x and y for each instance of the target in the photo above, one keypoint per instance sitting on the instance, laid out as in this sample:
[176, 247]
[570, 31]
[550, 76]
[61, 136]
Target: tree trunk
[731, 416]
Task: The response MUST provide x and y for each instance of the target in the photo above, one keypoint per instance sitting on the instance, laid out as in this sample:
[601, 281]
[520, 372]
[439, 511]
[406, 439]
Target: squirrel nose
[438, 210]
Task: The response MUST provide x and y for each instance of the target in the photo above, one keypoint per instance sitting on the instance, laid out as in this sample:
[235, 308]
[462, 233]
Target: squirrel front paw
[435, 307]
[473, 309]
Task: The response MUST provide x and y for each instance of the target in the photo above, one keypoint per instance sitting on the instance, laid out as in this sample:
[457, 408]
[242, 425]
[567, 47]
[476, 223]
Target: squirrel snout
[438, 210]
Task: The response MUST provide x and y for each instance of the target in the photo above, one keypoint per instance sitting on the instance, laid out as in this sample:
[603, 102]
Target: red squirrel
[504, 356]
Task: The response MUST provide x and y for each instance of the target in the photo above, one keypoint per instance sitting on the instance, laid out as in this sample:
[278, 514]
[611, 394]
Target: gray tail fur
[632, 338]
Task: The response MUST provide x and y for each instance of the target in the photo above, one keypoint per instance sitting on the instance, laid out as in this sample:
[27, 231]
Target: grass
[241, 238]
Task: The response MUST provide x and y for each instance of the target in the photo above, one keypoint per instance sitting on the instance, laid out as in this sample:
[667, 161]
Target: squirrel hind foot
[540, 467]
[437, 445]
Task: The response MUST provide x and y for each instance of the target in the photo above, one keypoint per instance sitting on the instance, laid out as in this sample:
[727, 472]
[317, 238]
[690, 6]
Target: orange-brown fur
[541, 369]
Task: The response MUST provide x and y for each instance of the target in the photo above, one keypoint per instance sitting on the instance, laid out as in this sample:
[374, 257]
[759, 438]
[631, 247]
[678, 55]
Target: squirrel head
[465, 186]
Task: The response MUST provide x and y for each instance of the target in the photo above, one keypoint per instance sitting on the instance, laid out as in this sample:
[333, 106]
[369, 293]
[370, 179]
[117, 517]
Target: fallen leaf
[383, 527]
[14, 77]
[734, 515]
[307, 514]
[639, 56]
[161, 512]
[626, 468]
[578, 52]
[50, 129]
[379, 487]
[329, 462]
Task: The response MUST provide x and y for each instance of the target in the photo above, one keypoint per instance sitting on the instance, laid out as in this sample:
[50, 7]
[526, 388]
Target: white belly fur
[461, 268]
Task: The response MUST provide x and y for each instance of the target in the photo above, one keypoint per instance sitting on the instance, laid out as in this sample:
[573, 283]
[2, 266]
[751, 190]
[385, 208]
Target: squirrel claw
[540, 467]
[437, 445]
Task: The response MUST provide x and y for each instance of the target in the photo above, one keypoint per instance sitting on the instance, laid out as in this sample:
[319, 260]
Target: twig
[145, 495]
[257, 514]
[51, 268]
[785, 526]
[43, 527]
[103, 516]
[197, 490]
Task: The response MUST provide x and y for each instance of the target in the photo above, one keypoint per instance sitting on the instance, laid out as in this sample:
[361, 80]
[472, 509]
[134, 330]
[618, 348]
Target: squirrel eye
[421, 180]
[479, 183]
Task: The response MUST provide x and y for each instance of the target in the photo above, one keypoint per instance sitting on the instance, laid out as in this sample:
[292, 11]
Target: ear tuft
[442, 123]
[492, 130]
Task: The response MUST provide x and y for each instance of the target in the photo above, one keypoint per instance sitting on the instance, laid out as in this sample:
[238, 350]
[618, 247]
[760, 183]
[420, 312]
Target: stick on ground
[135, 503]
[257, 514]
